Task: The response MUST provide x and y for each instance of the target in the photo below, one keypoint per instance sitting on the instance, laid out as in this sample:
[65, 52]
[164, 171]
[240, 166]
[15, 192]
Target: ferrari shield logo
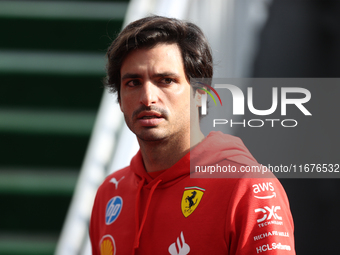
[191, 198]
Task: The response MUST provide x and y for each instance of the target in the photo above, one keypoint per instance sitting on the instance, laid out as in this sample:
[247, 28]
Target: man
[153, 206]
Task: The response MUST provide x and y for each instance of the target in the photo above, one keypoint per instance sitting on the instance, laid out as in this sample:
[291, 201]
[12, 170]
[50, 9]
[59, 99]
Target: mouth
[149, 115]
[150, 118]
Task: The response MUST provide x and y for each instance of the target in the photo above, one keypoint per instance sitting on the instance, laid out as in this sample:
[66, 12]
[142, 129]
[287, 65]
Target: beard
[169, 128]
[154, 133]
[151, 135]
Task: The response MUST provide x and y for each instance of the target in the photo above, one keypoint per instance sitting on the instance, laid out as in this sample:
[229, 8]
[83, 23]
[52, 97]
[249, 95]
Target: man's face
[155, 94]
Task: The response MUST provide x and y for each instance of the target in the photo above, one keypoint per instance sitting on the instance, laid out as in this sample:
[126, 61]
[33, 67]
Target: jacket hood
[168, 177]
[217, 147]
[214, 148]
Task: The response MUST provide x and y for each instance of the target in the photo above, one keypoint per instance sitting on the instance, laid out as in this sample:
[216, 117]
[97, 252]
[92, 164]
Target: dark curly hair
[150, 31]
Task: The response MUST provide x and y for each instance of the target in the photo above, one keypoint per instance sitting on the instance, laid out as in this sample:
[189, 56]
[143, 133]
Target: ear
[198, 97]
[120, 105]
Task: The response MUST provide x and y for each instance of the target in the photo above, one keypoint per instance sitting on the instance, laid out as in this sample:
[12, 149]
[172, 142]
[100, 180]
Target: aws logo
[264, 187]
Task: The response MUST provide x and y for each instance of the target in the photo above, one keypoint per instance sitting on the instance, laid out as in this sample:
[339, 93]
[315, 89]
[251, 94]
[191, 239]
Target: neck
[163, 154]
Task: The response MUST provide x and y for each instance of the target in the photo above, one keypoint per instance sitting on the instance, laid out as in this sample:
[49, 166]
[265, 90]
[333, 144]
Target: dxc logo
[238, 100]
[271, 211]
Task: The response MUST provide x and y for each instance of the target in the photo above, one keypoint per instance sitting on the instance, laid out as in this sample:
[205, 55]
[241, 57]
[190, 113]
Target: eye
[167, 81]
[132, 83]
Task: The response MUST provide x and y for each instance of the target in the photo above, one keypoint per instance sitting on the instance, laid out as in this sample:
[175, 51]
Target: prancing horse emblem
[191, 198]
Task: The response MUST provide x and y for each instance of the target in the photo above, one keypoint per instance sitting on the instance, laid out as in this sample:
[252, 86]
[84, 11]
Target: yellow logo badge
[107, 246]
[191, 198]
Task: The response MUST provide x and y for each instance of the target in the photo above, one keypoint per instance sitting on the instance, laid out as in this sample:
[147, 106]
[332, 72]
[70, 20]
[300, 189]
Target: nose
[148, 94]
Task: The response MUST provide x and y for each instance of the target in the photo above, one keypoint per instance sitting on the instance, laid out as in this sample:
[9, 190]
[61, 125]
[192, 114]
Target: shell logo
[107, 245]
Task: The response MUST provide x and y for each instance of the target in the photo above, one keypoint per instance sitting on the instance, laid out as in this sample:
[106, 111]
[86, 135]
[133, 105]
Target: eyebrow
[131, 75]
[157, 75]
[160, 75]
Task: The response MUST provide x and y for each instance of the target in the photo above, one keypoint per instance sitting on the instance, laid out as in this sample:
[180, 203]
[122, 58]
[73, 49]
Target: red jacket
[178, 214]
